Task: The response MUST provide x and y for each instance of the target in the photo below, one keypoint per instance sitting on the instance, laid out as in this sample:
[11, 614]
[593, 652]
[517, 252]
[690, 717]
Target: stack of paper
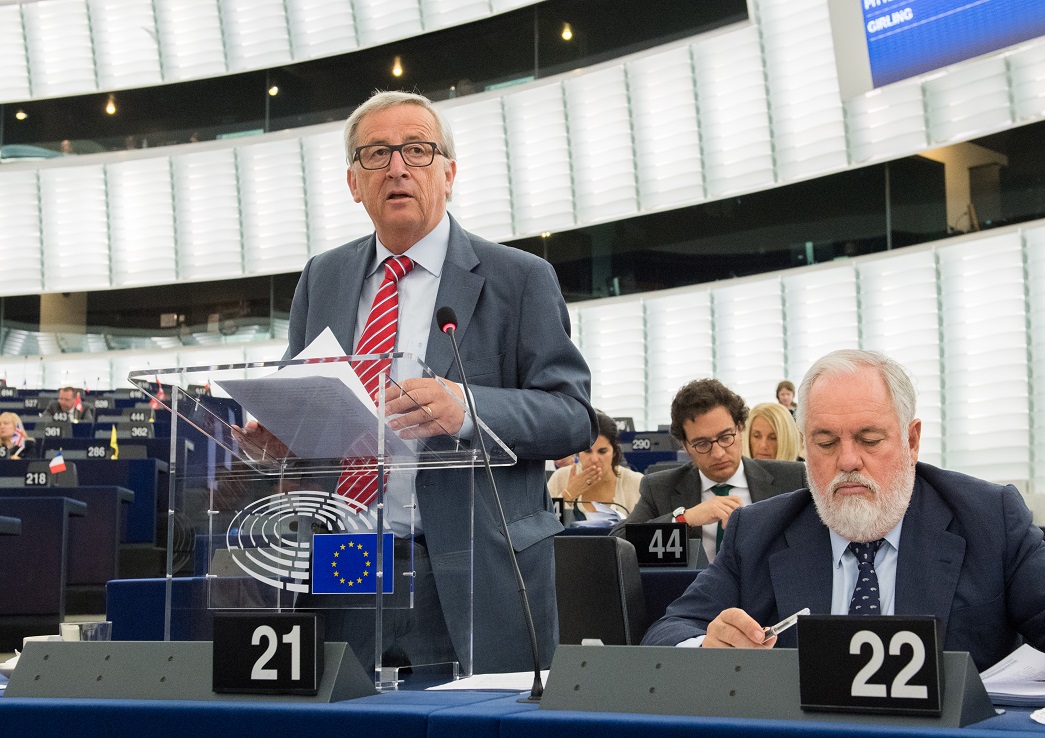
[1018, 679]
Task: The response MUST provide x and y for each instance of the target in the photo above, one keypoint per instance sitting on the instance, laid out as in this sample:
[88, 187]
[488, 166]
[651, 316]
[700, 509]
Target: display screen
[899, 39]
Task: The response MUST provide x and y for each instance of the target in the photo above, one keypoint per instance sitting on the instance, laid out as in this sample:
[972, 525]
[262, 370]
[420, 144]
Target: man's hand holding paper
[425, 407]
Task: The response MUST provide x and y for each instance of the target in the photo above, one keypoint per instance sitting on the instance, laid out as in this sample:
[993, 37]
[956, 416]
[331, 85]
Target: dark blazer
[663, 492]
[969, 555]
[531, 387]
[87, 416]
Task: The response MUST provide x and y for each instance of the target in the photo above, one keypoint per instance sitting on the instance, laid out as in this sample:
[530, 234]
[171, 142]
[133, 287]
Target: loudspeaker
[728, 682]
[159, 670]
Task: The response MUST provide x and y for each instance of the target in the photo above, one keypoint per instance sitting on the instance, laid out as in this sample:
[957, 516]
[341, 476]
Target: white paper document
[319, 410]
[519, 681]
[1018, 679]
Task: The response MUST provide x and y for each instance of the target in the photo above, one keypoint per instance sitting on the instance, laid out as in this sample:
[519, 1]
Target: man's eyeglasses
[703, 445]
[414, 153]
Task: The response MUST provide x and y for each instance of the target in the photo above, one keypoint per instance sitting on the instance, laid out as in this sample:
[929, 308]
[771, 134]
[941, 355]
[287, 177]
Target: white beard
[857, 518]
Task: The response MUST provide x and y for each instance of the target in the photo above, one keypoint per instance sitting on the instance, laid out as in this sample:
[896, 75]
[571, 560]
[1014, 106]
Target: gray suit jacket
[663, 492]
[969, 555]
[531, 387]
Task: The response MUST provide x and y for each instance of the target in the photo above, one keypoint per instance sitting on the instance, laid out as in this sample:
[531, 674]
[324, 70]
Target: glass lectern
[315, 510]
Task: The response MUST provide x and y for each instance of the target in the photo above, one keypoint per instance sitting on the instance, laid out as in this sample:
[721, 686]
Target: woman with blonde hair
[771, 433]
[13, 439]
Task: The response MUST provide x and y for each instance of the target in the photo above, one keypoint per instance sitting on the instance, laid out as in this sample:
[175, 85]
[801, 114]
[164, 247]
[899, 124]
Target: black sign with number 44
[870, 664]
[273, 653]
[659, 544]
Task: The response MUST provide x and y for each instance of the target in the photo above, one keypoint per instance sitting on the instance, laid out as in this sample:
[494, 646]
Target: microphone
[447, 321]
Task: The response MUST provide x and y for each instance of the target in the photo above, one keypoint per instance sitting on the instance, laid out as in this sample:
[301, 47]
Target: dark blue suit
[969, 555]
[531, 387]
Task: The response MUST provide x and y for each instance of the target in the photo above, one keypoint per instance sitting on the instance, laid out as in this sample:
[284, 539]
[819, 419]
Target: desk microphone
[447, 320]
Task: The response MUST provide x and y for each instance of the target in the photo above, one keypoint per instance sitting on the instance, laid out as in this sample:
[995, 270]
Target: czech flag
[79, 404]
[57, 464]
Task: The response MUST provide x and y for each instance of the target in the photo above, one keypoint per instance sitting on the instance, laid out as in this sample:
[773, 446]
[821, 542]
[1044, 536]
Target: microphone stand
[538, 688]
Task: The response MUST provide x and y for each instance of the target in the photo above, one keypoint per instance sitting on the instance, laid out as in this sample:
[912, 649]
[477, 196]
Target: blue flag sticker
[347, 563]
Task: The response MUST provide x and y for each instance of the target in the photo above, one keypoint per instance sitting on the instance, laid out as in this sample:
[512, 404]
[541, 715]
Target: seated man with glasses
[708, 418]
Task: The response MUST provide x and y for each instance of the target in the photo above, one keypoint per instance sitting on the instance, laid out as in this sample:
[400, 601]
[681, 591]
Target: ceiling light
[273, 91]
[20, 115]
[567, 32]
[397, 67]
[110, 107]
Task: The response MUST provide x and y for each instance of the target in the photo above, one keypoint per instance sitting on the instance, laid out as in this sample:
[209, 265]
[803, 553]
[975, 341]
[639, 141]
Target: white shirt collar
[428, 253]
[737, 480]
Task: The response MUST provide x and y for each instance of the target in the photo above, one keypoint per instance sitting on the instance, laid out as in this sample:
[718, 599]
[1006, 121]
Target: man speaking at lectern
[934, 542]
[529, 381]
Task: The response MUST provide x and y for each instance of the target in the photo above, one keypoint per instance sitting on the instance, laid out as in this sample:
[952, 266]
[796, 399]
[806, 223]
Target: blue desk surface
[424, 715]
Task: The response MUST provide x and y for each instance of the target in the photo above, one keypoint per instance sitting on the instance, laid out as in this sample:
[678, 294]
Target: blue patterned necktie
[866, 596]
[720, 490]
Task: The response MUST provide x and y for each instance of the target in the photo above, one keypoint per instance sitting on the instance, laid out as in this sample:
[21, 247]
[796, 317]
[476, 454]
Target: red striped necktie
[358, 480]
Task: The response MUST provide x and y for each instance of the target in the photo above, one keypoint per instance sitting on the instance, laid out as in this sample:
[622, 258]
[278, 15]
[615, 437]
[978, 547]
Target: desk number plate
[268, 654]
[869, 664]
[659, 544]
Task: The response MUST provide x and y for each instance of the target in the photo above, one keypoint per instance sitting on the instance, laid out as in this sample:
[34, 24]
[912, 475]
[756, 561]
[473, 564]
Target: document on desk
[319, 410]
[1018, 679]
[518, 681]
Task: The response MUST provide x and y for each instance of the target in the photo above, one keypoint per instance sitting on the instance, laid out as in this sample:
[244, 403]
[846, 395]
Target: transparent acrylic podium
[268, 519]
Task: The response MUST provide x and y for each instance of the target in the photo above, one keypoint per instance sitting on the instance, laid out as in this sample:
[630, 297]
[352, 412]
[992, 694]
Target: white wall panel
[614, 337]
[446, 13]
[734, 113]
[321, 27]
[749, 337]
[968, 102]
[804, 99]
[985, 358]
[75, 228]
[666, 130]
[820, 306]
[1027, 71]
[14, 82]
[680, 347]
[539, 157]
[333, 217]
[207, 215]
[272, 191]
[256, 34]
[900, 316]
[887, 123]
[380, 22]
[141, 222]
[191, 42]
[482, 198]
[602, 149]
[126, 49]
[20, 236]
[58, 34]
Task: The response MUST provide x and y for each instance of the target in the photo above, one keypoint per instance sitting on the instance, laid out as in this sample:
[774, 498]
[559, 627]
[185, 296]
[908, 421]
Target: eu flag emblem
[346, 563]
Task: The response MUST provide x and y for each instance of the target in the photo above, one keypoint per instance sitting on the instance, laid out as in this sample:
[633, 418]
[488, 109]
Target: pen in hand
[774, 630]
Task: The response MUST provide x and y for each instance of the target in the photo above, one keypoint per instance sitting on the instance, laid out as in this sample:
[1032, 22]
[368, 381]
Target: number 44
[674, 546]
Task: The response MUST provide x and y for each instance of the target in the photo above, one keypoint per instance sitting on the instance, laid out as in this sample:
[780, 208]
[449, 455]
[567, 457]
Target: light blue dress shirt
[418, 291]
[845, 570]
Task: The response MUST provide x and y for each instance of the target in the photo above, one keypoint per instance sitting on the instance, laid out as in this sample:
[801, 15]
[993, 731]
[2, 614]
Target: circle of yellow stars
[357, 580]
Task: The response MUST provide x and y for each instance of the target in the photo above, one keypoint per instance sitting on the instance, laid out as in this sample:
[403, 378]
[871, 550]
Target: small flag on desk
[347, 563]
[155, 403]
[79, 403]
[114, 445]
[57, 464]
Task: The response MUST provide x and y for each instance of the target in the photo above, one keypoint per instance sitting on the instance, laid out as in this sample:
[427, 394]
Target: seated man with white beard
[942, 543]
